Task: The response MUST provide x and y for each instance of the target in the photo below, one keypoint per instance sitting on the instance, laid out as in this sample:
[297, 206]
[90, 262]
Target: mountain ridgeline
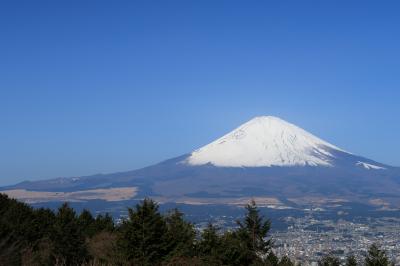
[266, 157]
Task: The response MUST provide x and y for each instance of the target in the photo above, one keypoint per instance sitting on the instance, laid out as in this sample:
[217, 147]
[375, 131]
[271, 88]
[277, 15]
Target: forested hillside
[42, 237]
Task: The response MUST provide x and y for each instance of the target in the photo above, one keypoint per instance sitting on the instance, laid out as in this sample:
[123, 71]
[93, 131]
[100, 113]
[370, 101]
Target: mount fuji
[263, 142]
[267, 158]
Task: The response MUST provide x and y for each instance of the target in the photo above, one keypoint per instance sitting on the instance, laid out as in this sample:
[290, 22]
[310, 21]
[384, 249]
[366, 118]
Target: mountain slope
[265, 141]
[265, 157]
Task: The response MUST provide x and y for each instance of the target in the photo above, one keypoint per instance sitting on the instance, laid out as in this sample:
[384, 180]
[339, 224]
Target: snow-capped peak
[265, 141]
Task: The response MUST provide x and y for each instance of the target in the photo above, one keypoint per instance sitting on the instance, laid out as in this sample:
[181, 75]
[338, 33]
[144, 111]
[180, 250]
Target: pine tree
[226, 249]
[180, 235]
[209, 246]
[210, 240]
[234, 251]
[104, 223]
[254, 230]
[142, 237]
[20, 230]
[86, 223]
[43, 222]
[68, 238]
[376, 257]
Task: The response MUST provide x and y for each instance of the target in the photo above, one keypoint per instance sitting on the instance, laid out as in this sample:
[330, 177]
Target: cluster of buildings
[307, 239]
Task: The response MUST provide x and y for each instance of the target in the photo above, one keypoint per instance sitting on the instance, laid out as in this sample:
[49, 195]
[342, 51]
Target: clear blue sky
[104, 86]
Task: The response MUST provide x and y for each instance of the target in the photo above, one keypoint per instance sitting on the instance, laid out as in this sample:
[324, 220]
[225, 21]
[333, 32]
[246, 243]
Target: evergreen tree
[376, 257]
[40, 237]
[209, 246]
[351, 261]
[18, 230]
[180, 235]
[226, 249]
[86, 223]
[210, 240]
[42, 249]
[44, 221]
[234, 251]
[245, 246]
[254, 230]
[142, 238]
[104, 223]
[68, 238]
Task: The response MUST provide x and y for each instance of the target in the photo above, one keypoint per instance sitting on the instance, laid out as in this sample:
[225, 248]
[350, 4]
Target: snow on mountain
[263, 142]
[370, 166]
[246, 155]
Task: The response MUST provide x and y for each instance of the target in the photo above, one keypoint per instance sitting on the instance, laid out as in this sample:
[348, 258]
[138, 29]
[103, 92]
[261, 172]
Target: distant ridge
[267, 158]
